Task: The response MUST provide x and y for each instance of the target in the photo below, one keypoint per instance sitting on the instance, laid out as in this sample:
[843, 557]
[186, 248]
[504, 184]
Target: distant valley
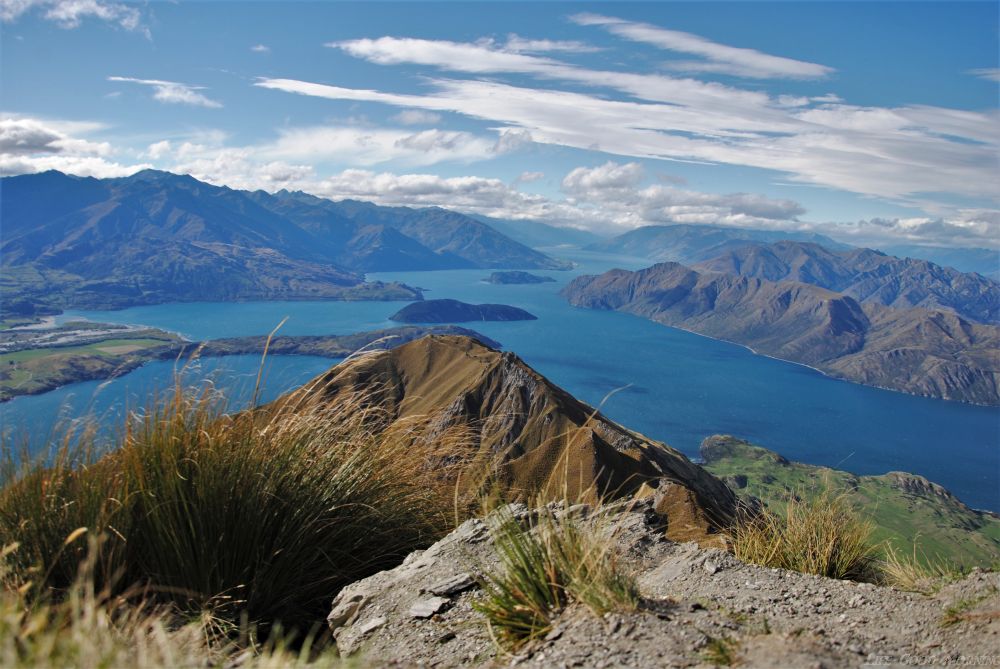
[158, 237]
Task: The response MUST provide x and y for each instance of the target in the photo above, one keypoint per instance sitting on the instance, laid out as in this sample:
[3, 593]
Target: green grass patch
[935, 530]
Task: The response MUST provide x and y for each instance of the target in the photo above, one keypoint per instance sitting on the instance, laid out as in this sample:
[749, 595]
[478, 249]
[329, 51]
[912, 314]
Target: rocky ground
[701, 608]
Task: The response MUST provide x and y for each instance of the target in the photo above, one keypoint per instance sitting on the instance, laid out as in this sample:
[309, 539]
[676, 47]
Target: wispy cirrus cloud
[719, 58]
[895, 153]
[520, 44]
[988, 73]
[70, 14]
[173, 92]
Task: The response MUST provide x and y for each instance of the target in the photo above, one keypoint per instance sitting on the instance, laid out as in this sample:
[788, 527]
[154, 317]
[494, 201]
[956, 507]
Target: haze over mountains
[688, 244]
[921, 351]
[155, 237]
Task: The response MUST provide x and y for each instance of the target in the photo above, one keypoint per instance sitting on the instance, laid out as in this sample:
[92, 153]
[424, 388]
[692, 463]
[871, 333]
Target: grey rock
[425, 608]
[453, 586]
[345, 608]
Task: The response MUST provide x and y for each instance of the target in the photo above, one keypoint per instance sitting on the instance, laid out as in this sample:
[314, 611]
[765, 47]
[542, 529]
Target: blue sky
[868, 121]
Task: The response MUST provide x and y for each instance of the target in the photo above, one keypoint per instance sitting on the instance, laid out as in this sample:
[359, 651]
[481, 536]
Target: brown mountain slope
[934, 353]
[866, 275]
[539, 437]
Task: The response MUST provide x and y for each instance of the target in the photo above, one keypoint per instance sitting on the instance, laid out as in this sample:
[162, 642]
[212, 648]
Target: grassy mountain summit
[934, 353]
[532, 436]
[156, 237]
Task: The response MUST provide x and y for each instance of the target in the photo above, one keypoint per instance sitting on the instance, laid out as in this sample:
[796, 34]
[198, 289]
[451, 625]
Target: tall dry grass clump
[258, 515]
[821, 535]
[547, 563]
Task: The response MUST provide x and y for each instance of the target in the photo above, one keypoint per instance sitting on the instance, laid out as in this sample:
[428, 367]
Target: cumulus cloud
[70, 14]
[173, 92]
[719, 58]
[29, 145]
[615, 191]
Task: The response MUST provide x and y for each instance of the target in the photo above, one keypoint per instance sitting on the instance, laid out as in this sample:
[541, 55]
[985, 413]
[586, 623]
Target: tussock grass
[821, 535]
[87, 627]
[916, 573]
[258, 516]
[548, 563]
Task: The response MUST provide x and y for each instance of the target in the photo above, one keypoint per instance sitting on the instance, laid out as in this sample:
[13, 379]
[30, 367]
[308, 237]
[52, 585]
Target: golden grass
[258, 516]
[821, 536]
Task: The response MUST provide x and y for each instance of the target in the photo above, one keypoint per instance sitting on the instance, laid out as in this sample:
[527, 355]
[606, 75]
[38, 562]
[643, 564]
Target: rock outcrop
[535, 438]
[700, 607]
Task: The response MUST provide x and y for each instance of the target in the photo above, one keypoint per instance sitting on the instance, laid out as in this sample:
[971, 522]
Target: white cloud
[158, 150]
[988, 73]
[173, 92]
[260, 48]
[520, 44]
[416, 117]
[897, 153]
[29, 145]
[720, 58]
[370, 146]
[528, 177]
[615, 191]
[70, 14]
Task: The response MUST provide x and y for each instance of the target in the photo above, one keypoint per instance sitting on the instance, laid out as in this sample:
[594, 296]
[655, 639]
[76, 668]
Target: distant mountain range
[156, 237]
[867, 276]
[920, 351]
[537, 234]
[983, 261]
[689, 244]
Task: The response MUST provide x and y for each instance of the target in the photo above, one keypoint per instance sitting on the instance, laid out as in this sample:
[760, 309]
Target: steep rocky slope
[701, 608]
[932, 353]
[536, 437]
[867, 276]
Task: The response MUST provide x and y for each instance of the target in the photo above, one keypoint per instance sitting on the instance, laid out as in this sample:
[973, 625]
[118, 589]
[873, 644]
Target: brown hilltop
[540, 439]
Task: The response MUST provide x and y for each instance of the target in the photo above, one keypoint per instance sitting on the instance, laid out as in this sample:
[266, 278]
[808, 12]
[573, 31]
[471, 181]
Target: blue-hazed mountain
[438, 238]
[537, 234]
[156, 237]
[688, 244]
[866, 275]
[964, 259]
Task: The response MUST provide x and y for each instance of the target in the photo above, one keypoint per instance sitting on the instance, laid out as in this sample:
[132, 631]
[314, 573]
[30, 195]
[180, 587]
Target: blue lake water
[678, 387]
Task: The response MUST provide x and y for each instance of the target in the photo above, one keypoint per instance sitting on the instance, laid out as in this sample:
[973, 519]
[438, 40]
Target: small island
[516, 277]
[453, 311]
